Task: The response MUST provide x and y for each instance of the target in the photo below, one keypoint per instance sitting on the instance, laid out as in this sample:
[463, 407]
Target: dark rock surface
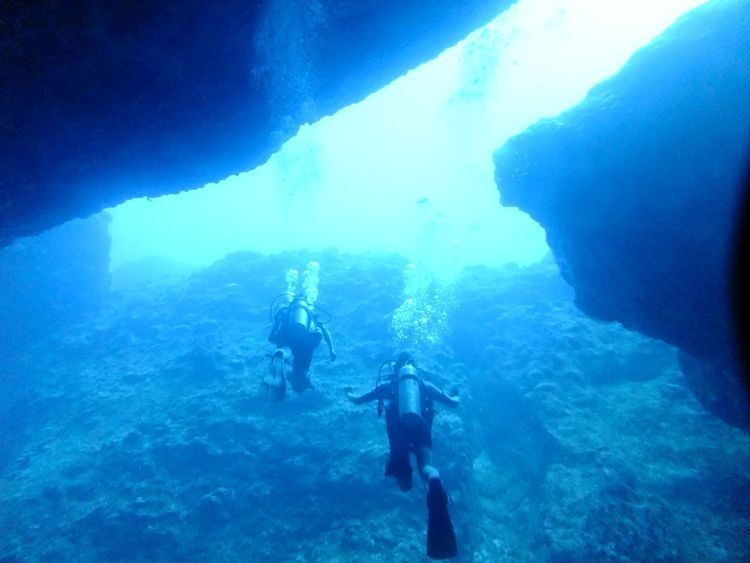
[148, 437]
[638, 189]
[585, 434]
[104, 101]
[741, 280]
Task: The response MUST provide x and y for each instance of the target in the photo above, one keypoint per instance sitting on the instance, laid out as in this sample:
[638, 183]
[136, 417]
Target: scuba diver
[408, 417]
[296, 332]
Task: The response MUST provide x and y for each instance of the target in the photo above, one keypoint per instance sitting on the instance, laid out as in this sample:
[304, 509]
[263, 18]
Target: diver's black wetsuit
[403, 439]
[411, 432]
[302, 347]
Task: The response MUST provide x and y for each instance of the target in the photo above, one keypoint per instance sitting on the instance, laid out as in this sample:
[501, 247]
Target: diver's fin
[441, 540]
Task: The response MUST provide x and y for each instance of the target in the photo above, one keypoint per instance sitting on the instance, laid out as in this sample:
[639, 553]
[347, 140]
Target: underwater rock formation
[585, 433]
[102, 102]
[144, 434]
[638, 189]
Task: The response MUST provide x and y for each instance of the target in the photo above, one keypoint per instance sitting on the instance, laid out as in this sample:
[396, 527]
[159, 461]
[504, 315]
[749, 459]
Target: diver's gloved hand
[349, 393]
[332, 356]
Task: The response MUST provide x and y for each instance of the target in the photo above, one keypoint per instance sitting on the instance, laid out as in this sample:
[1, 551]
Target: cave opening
[408, 169]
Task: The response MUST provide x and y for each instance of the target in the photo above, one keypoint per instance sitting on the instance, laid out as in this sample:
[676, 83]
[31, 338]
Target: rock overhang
[639, 190]
[103, 102]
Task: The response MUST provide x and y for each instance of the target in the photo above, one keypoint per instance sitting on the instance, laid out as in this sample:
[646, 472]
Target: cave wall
[638, 189]
[104, 101]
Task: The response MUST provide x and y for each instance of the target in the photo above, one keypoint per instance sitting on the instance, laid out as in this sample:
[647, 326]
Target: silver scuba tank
[409, 399]
[299, 321]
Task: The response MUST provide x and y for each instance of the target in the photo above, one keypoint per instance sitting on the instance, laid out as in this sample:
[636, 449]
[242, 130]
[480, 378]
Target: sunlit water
[409, 168]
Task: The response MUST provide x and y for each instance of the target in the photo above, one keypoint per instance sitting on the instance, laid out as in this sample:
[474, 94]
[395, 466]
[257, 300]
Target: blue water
[142, 433]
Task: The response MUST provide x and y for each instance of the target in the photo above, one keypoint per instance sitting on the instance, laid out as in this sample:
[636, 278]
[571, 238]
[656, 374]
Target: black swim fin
[441, 539]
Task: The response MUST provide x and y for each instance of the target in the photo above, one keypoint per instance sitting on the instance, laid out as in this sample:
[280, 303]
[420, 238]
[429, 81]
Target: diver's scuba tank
[299, 320]
[409, 398]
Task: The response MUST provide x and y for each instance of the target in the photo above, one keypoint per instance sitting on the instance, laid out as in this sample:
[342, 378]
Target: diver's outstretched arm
[329, 342]
[441, 396]
[378, 392]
